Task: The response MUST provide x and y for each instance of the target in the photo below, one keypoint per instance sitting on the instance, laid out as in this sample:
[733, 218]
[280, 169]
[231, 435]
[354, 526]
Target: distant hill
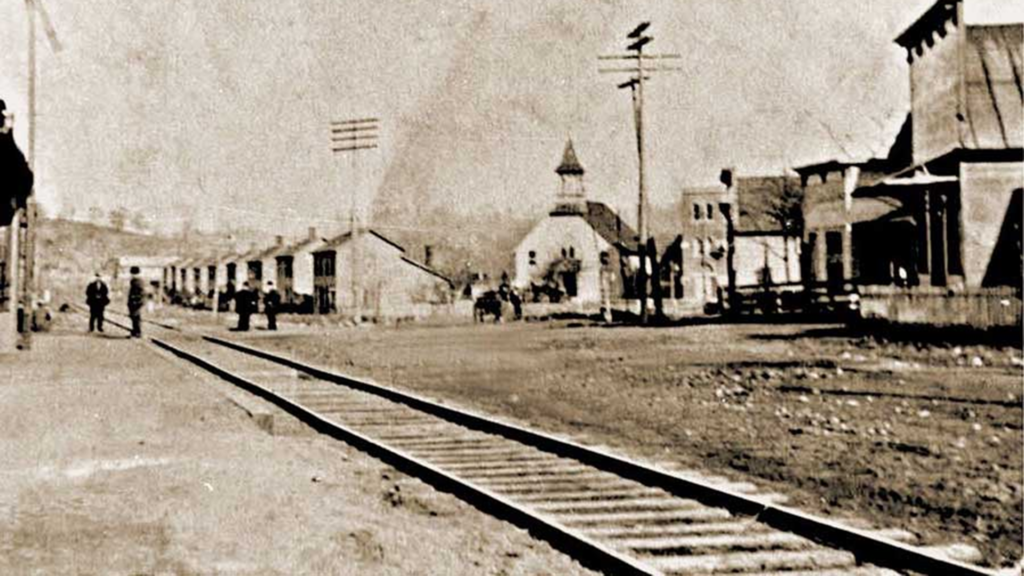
[69, 252]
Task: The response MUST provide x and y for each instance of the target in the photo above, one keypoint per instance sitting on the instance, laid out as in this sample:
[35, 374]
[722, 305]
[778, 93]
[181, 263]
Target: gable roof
[609, 226]
[272, 251]
[428, 270]
[993, 87]
[345, 237]
[304, 244]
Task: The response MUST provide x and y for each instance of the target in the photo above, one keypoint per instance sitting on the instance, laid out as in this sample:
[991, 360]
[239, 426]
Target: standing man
[96, 298]
[136, 299]
[271, 304]
[244, 306]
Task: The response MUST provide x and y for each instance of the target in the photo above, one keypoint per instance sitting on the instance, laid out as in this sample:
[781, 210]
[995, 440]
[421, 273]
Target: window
[572, 252]
[564, 254]
[696, 211]
[711, 211]
[533, 257]
[699, 247]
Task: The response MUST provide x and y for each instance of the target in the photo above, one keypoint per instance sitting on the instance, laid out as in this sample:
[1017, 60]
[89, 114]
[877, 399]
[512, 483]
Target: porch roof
[909, 179]
[834, 214]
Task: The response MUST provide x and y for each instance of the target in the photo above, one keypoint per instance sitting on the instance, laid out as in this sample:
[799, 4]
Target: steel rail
[588, 552]
[867, 547]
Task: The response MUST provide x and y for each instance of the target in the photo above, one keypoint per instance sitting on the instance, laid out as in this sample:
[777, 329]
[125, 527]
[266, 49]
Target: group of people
[97, 298]
[247, 303]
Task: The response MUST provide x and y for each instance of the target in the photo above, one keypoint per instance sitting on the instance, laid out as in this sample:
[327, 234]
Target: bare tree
[786, 206]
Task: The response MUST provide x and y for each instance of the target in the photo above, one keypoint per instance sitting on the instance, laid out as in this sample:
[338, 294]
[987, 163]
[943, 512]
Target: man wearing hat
[136, 299]
[271, 304]
[96, 298]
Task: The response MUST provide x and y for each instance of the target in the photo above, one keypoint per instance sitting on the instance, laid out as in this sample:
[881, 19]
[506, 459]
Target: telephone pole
[27, 220]
[640, 73]
[350, 136]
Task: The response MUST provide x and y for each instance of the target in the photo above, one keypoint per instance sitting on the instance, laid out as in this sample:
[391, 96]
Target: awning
[834, 214]
[908, 179]
[918, 179]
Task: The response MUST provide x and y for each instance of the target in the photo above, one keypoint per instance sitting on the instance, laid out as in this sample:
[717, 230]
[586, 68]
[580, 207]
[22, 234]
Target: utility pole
[27, 220]
[350, 136]
[639, 75]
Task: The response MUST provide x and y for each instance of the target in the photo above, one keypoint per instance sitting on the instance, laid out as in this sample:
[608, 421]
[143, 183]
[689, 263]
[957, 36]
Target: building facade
[962, 193]
[579, 251]
[704, 249]
[295, 272]
[366, 274]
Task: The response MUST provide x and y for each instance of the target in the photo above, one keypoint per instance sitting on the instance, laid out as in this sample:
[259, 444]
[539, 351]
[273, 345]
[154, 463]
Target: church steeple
[572, 198]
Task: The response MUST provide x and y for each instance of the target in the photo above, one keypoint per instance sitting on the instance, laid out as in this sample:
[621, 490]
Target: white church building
[567, 249]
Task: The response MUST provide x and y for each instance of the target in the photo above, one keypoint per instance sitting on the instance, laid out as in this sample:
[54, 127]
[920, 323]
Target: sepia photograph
[544, 287]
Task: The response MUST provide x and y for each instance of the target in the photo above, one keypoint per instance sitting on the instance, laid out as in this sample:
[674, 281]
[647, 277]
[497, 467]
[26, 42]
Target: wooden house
[295, 272]
[367, 274]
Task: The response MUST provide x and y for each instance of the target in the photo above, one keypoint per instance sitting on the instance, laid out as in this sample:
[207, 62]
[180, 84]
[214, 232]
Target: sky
[217, 114]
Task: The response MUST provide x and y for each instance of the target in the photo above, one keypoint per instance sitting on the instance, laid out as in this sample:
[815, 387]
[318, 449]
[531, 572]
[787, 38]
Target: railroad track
[610, 513]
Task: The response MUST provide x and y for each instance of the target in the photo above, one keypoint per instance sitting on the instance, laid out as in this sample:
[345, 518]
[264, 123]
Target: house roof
[250, 256]
[272, 251]
[145, 261]
[570, 164]
[993, 87]
[608, 225]
[428, 270]
[304, 244]
[834, 214]
[343, 238]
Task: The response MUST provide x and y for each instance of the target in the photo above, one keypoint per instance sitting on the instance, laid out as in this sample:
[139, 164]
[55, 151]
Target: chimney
[428, 255]
[312, 232]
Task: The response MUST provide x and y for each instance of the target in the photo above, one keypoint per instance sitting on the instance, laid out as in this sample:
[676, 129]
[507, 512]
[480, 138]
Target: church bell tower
[572, 198]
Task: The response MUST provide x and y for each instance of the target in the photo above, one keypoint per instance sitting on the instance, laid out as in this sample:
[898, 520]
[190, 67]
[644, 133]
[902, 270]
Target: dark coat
[136, 294]
[245, 301]
[16, 178]
[271, 301]
[97, 295]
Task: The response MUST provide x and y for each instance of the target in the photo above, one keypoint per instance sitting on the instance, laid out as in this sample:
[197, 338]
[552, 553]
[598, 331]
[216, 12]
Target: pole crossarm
[348, 148]
[646, 69]
[354, 138]
[335, 123]
[640, 56]
[348, 129]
